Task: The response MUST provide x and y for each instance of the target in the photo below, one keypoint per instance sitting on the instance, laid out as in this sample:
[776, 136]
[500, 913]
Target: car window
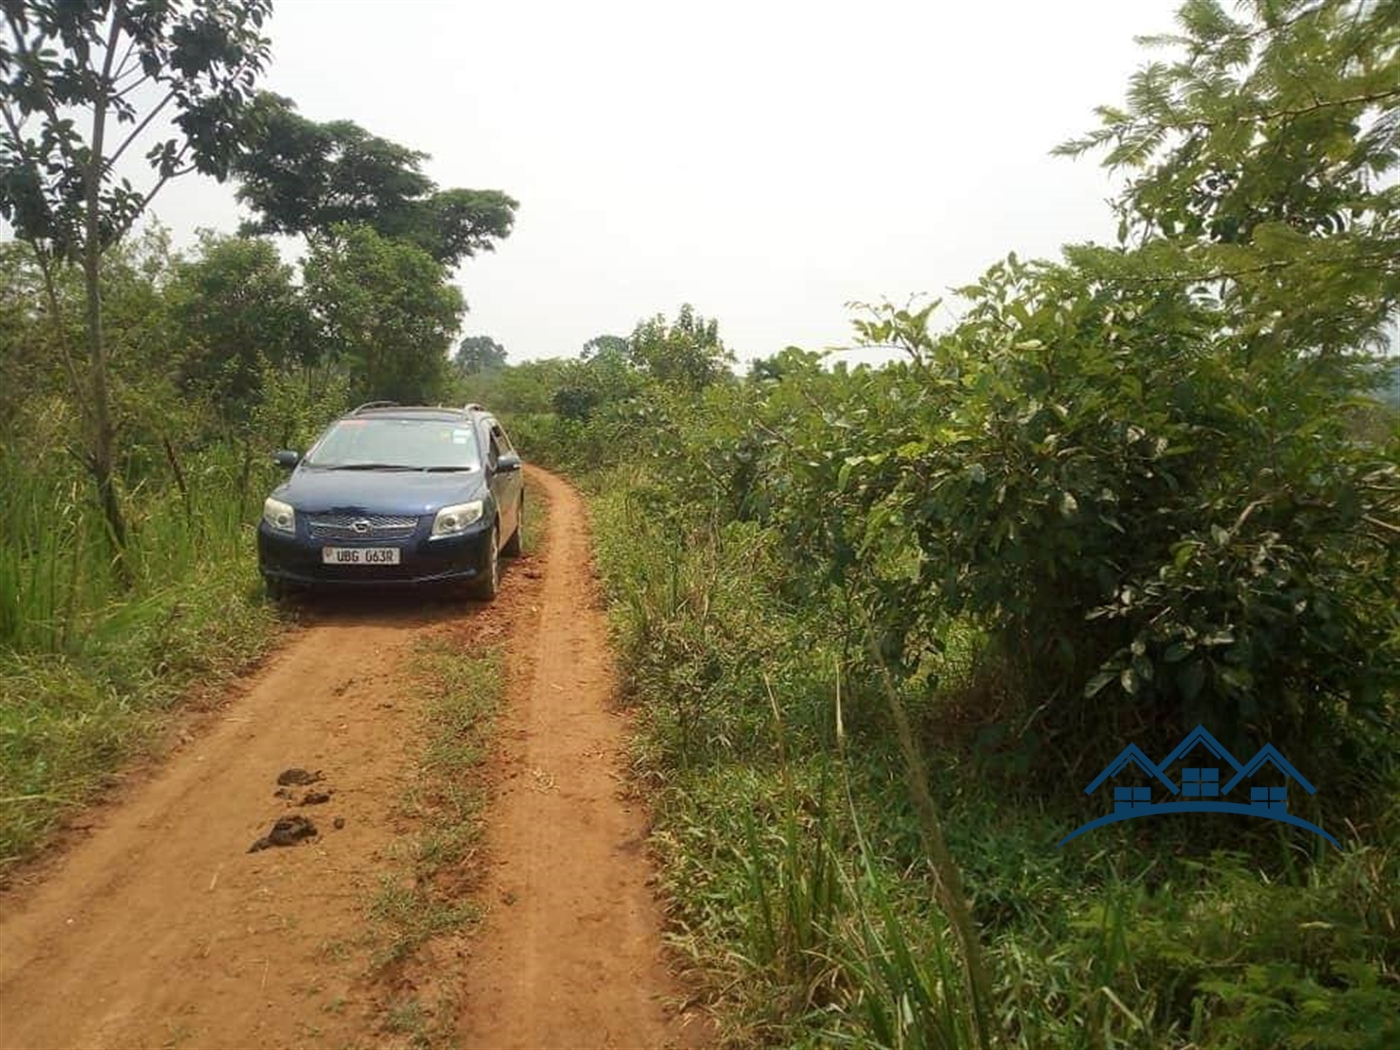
[503, 442]
[424, 444]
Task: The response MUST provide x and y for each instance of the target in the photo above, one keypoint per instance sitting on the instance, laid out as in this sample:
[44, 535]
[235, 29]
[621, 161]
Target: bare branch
[122, 69]
[143, 79]
[136, 131]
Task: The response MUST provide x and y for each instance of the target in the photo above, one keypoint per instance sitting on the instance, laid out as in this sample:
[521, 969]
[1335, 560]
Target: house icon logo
[1201, 788]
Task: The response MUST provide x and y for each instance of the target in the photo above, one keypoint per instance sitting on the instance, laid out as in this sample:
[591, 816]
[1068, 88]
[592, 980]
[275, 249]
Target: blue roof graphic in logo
[1200, 789]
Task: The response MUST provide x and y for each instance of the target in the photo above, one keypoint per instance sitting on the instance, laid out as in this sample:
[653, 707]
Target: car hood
[405, 492]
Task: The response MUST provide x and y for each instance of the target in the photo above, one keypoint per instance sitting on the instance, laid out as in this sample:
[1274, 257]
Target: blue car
[394, 494]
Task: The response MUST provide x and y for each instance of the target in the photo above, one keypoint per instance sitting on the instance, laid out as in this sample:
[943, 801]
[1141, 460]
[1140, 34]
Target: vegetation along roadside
[143, 389]
[882, 625]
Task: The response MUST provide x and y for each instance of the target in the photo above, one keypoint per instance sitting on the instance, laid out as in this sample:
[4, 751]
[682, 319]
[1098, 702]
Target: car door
[513, 482]
[504, 485]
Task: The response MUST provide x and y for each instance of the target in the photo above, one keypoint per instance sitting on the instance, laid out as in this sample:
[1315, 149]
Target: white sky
[767, 161]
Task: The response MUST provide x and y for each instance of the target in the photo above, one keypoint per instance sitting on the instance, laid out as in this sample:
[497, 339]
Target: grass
[424, 899]
[822, 901]
[91, 665]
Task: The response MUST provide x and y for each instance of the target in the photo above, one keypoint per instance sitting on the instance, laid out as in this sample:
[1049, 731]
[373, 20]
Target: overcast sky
[766, 161]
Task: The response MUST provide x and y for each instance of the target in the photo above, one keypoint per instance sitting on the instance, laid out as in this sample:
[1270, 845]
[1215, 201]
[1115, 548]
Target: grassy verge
[805, 882]
[424, 898]
[91, 665]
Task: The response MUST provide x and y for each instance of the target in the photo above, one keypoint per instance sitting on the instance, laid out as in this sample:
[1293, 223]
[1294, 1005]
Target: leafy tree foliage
[1132, 476]
[687, 353]
[604, 344]
[386, 309]
[479, 353]
[302, 177]
[73, 74]
[238, 312]
[1261, 158]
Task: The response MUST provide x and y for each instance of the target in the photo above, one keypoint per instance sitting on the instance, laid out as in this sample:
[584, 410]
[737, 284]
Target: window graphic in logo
[1202, 788]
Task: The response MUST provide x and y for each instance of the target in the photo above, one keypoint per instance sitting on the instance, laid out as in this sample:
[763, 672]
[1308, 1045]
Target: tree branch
[155, 111]
[146, 200]
[121, 66]
[1277, 114]
[130, 87]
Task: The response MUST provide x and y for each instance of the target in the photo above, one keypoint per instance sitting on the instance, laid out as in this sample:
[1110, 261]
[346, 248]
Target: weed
[407, 916]
[407, 1017]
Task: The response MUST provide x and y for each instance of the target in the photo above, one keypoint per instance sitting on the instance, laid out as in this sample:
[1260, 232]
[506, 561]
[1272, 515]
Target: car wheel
[516, 543]
[485, 586]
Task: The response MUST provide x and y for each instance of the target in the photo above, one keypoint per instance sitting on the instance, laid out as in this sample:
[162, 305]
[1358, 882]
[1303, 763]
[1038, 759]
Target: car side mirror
[285, 457]
[507, 463]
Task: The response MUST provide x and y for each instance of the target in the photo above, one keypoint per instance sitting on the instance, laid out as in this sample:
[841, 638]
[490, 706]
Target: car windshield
[397, 444]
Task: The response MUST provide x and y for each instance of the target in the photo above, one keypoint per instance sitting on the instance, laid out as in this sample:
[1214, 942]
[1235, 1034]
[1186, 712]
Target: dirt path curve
[571, 954]
[157, 928]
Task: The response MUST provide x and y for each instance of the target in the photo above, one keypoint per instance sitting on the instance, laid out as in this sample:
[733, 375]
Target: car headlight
[454, 520]
[279, 516]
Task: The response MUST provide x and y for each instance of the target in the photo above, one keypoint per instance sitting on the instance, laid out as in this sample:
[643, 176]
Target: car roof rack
[473, 406]
[373, 404]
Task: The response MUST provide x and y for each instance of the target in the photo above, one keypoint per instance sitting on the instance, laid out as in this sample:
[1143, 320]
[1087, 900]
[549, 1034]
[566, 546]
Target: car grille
[361, 527]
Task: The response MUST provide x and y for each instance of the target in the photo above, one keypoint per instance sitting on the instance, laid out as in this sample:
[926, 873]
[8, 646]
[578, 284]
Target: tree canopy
[82, 84]
[687, 353]
[1261, 157]
[386, 309]
[304, 178]
[238, 310]
[479, 353]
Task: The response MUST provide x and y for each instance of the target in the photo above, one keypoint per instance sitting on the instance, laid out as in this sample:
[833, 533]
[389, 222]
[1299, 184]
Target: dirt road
[157, 928]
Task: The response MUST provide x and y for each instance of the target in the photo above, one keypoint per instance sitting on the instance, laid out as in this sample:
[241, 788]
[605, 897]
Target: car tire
[486, 585]
[516, 543]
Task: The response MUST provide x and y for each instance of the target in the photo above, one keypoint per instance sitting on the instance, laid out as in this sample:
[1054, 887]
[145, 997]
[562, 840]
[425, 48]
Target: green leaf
[1097, 683]
[1178, 651]
[1191, 678]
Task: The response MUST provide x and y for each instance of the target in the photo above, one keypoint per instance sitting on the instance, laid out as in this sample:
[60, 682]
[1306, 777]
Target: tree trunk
[102, 458]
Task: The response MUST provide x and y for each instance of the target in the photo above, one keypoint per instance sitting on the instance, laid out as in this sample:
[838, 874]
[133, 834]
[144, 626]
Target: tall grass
[59, 591]
[862, 923]
[88, 659]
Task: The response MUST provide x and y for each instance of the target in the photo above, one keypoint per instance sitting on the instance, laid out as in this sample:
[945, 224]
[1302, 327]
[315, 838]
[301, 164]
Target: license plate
[360, 555]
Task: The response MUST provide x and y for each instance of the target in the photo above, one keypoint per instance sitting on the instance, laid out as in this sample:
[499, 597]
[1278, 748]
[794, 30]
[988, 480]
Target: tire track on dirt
[159, 929]
[571, 953]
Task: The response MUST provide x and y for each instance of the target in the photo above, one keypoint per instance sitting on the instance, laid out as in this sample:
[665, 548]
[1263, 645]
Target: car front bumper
[298, 559]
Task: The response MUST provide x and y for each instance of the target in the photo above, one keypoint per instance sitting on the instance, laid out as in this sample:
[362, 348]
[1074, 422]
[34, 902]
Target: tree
[237, 310]
[479, 353]
[73, 74]
[603, 344]
[687, 354]
[303, 178]
[386, 309]
[1261, 163]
